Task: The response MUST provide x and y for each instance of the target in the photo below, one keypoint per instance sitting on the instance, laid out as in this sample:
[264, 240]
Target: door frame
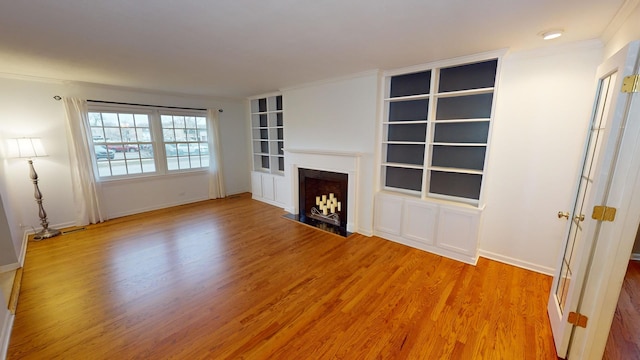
[615, 239]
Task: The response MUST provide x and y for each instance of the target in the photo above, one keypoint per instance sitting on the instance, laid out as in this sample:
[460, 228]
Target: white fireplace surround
[335, 161]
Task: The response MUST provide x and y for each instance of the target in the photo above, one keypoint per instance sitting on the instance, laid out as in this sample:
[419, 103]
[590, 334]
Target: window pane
[167, 121]
[469, 132]
[413, 110]
[144, 134]
[201, 122]
[134, 167]
[129, 135]
[411, 84]
[112, 134]
[405, 154]
[407, 132]
[178, 122]
[118, 167]
[110, 119]
[172, 163]
[95, 119]
[122, 134]
[98, 134]
[142, 120]
[168, 135]
[456, 184]
[464, 107]
[462, 157]
[401, 178]
[126, 120]
[466, 77]
[190, 122]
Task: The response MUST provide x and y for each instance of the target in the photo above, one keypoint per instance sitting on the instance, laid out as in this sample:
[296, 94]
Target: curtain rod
[57, 97]
[145, 105]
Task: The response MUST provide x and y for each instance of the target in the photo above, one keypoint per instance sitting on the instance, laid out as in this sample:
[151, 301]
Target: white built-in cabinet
[269, 188]
[267, 143]
[444, 228]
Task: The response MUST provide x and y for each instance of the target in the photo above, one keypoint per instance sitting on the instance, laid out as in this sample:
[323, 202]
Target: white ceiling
[238, 48]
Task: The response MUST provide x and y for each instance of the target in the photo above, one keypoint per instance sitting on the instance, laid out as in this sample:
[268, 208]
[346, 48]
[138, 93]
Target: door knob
[579, 217]
[563, 214]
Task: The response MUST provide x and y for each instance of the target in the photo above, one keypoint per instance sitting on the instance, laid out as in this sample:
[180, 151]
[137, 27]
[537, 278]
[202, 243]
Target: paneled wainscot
[441, 227]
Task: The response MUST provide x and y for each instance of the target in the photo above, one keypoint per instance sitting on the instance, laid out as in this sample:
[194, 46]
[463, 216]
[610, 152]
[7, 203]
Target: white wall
[338, 115]
[8, 254]
[628, 31]
[543, 110]
[27, 108]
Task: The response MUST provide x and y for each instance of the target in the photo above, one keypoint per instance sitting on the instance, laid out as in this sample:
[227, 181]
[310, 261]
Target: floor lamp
[30, 148]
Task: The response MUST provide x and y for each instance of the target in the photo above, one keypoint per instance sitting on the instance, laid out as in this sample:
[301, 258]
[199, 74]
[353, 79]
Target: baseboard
[635, 257]
[467, 259]
[9, 267]
[365, 232]
[516, 262]
[156, 207]
[5, 333]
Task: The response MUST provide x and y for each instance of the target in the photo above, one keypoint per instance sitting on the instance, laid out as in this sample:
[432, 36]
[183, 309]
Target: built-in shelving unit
[267, 133]
[436, 130]
[268, 183]
[435, 134]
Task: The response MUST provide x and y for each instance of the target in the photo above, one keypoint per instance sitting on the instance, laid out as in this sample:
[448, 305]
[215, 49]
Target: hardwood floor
[229, 279]
[624, 337]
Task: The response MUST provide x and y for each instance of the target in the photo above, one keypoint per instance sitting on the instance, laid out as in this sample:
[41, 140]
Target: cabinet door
[419, 221]
[268, 190]
[281, 189]
[458, 230]
[256, 185]
[388, 214]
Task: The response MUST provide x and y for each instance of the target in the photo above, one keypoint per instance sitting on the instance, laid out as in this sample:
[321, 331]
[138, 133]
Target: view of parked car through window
[145, 142]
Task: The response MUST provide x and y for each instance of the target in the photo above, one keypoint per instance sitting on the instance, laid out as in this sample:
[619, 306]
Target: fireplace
[323, 199]
[326, 162]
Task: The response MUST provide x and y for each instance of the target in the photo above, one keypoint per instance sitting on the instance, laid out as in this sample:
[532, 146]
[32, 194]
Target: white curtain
[86, 189]
[216, 180]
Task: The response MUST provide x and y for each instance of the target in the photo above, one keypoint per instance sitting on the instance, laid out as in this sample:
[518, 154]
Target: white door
[601, 152]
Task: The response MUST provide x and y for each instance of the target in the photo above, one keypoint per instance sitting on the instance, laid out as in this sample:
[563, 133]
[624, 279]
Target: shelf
[459, 144]
[455, 170]
[410, 97]
[443, 121]
[405, 142]
[405, 166]
[464, 92]
[405, 122]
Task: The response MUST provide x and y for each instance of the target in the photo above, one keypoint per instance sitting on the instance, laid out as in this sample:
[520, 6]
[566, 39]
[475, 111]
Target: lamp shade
[26, 148]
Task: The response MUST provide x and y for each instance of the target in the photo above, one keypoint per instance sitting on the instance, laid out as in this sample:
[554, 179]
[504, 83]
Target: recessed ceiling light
[551, 34]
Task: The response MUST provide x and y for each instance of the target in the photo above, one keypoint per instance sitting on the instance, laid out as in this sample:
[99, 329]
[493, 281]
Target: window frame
[159, 155]
[430, 122]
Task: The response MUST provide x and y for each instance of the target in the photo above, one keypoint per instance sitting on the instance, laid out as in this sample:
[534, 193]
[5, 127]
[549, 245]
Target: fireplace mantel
[324, 152]
[326, 160]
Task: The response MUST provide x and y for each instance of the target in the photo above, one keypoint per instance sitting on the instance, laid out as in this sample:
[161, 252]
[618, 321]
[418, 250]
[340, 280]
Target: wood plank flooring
[624, 337]
[232, 279]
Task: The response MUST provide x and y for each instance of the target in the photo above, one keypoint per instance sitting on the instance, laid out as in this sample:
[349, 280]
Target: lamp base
[45, 234]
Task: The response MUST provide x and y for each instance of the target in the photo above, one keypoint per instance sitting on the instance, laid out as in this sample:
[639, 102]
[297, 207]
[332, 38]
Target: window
[132, 141]
[185, 141]
[436, 130]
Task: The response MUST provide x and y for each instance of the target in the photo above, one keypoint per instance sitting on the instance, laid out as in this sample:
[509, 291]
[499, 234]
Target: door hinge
[631, 84]
[577, 319]
[603, 213]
